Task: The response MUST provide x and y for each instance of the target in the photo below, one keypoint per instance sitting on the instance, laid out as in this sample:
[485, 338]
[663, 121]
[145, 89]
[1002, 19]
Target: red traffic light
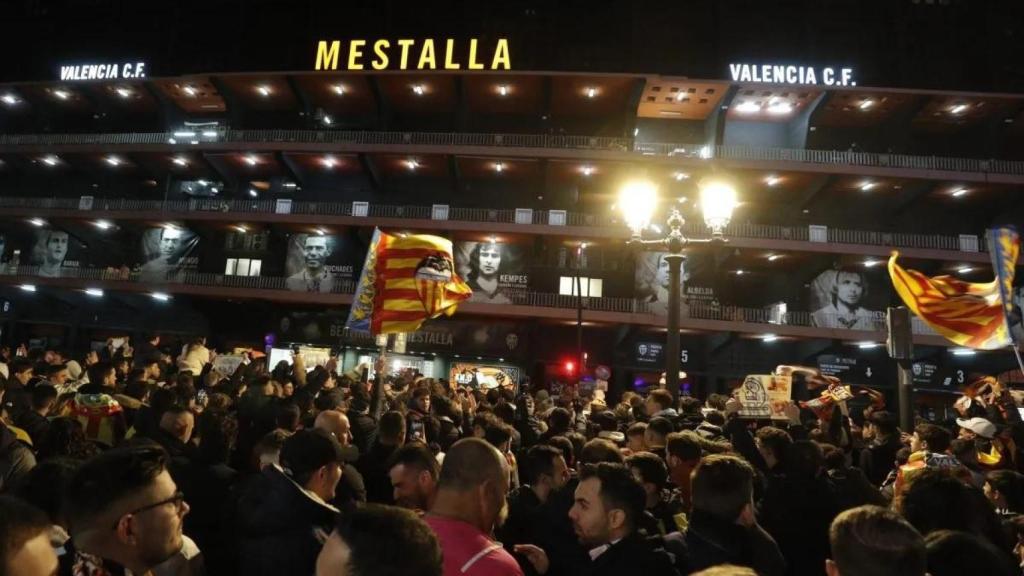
[570, 367]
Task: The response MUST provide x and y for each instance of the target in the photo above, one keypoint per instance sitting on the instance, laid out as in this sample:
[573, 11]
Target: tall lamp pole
[638, 201]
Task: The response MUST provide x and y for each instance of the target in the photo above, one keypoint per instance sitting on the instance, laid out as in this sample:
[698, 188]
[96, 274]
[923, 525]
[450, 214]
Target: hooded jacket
[16, 460]
[281, 526]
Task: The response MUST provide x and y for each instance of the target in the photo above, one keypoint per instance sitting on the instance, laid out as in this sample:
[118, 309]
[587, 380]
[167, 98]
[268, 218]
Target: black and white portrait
[840, 299]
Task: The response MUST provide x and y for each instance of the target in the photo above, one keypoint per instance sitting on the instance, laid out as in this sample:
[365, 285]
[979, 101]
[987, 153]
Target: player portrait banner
[317, 263]
[166, 251]
[651, 283]
[54, 251]
[849, 299]
[406, 280]
[495, 271]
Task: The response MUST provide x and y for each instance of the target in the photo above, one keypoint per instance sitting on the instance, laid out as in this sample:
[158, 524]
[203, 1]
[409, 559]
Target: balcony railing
[482, 215]
[596, 143]
[28, 274]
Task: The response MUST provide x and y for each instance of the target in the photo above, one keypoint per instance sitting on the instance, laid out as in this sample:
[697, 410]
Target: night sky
[943, 44]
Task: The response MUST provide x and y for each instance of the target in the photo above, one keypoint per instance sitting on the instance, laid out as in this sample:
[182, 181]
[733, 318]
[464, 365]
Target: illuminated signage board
[790, 74]
[107, 71]
[407, 54]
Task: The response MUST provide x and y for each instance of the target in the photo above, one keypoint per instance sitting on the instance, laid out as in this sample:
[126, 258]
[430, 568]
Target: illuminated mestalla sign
[790, 74]
[108, 71]
[406, 54]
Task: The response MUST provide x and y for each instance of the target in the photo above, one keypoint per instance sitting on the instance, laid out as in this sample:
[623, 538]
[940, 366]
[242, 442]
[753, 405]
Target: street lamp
[638, 200]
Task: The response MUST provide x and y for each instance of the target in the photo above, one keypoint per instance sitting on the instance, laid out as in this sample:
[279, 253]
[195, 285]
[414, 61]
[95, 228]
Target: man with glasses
[125, 511]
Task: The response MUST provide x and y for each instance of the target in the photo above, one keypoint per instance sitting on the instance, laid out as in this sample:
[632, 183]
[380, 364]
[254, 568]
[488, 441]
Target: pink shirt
[468, 551]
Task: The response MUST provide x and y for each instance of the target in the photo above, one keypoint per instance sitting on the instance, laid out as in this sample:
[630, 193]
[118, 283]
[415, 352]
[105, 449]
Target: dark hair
[936, 500]
[45, 486]
[331, 399]
[804, 460]
[98, 372]
[952, 553]
[498, 434]
[884, 420]
[717, 401]
[636, 429]
[600, 450]
[392, 426]
[684, 445]
[715, 417]
[539, 460]
[364, 528]
[287, 416]
[651, 467]
[1010, 485]
[54, 369]
[722, 485]
[565, 445]
[66, 437]
[506, 412]
[474, 259]
[661, 397]
[874, 541]
[19, 365]
[937, 437]
[19, 523]
[834, 457]
[660, 426]
[619, 490]
[776, 440]
[43, 395]
[559, 420]
[110, 477]
[416, 455]
[218, 432]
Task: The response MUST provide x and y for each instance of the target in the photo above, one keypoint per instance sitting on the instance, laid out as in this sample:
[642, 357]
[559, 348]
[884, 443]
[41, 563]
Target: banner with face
[842, 299]
[50, 251]
[167, 250]
[651, 283]
[316, 263]
[494, 270]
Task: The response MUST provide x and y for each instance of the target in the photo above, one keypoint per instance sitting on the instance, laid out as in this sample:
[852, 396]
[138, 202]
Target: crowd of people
[147, 461]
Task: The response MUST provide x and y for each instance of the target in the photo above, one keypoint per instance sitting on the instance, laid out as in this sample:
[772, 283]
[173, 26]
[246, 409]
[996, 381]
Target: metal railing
[542, 141]
[696, 311]
[482, 215]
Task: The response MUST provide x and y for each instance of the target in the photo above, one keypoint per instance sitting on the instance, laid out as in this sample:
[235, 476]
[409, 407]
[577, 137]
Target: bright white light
[591, 92]
[587, 170]
[290, 185]
[772, 180]
[705, 152]
[637, 200]
[95, 292]
[656, 228]
[958, 192]
[740, 272]
[868, 345]
[202, 182]
[264, 90]
[780, 108]
[241, 228]
[9, 99]
[190, 91]
[62, 94]
[339, 89]
[869, 263]
[252, 160]
[123, 92]
[774, 257]
[503, 90]
[680, 96]
[680, 176]
[113, 160]
[185, 134]
[28, 287]
[160, 296]
[769, 338]
[209, 134]
[50, 160]
[964, 270]
[102, 224]
[717, 201]
[499, 167]
[328, 162]
[327, 120]
[37, 222]
[320, 232]
[963, 352]
[412, 164]
[748, 107]
[866, 104]
[959, 108]
[418, 89]
[867, 185]
[636, 131]
[182, 161]
[253, 192]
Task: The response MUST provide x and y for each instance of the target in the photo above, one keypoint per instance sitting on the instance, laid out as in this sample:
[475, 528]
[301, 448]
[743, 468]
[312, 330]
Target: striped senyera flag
[406, 280]
[968, 314]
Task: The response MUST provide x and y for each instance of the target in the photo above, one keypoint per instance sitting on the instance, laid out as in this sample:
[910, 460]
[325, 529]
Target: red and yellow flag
[965, 313]
[406, 280]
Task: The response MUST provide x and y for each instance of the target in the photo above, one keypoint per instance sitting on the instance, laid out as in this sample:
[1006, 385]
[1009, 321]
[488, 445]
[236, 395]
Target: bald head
[335, 423]
[470, 463]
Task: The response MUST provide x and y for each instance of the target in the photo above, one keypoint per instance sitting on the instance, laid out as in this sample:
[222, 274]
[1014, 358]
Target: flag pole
[1016, 352]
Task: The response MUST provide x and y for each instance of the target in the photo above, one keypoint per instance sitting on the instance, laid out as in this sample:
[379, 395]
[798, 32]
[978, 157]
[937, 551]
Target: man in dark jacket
[877, 458]
[283, 517]
[18, 397]
[373, 464]
[544, 471]
[16, 460]
[609, 504]
[723, 528]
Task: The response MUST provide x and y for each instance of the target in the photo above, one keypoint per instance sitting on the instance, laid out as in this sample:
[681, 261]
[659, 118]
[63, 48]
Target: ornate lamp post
[638, 200]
